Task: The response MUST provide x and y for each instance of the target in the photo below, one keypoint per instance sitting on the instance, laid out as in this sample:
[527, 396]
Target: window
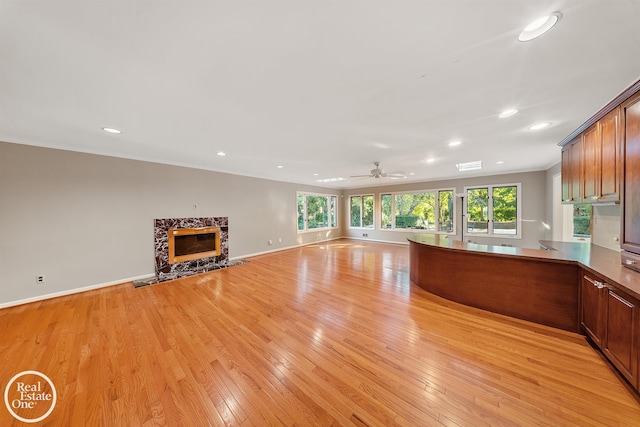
[317, 211]
[493, 210]
[426, 210]
[445, 211]
[361, 211]
[576, 222]
[385, 200]
[581, 220]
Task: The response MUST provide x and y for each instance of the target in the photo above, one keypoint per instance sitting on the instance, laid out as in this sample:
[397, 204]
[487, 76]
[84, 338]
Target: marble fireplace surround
[167, 271]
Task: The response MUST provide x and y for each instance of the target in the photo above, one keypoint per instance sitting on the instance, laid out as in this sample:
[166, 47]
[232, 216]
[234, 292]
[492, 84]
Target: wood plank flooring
[332, 334]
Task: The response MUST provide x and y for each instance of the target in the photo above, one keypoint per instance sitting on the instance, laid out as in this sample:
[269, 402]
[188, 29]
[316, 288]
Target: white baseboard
[73, 291]
[406, 242]
[287, 248]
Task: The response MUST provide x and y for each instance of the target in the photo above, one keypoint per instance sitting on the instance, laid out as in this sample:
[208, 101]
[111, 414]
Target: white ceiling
[324, 87]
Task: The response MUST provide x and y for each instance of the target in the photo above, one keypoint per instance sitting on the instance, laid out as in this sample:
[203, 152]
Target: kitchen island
[531, 284]
[576, 287]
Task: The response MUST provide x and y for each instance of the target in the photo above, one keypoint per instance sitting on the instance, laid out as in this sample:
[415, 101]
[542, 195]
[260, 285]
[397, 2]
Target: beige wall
[605, 226]
[534, 202]
[85, 220]
[555, 221]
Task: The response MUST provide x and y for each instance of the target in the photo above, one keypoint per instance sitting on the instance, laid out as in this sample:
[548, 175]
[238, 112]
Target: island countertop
[596, 259]
[599, 260]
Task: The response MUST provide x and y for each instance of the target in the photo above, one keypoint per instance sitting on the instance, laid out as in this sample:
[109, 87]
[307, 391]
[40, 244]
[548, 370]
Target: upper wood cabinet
[592, 163]
[566, 171]
[572, 172]
[611, 160]
[631, 199]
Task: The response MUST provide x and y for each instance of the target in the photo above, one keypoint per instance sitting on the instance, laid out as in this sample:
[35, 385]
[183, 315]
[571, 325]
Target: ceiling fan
[380, 173]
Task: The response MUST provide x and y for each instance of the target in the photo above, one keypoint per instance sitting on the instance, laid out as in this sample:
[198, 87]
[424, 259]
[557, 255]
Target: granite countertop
[597, 259]
[601, 261]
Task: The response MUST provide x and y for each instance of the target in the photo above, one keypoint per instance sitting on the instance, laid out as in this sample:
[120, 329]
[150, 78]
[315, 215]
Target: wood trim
[171, 234]
[623, 96]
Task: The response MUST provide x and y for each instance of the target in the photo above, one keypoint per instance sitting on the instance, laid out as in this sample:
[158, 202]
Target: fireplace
[187, 244]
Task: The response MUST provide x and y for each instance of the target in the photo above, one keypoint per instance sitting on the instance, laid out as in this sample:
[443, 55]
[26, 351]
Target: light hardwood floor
[329, 334]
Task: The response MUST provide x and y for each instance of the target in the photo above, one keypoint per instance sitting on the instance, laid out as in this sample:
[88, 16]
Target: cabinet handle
[629, 262]
[598, 284]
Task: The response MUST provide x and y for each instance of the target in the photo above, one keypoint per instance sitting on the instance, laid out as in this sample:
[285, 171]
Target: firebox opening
[187, 244]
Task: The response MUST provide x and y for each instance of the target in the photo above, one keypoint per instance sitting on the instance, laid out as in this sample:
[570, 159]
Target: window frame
[333, 217]
[362, 204]
[490, 227]
[573, 222]
[436, 192]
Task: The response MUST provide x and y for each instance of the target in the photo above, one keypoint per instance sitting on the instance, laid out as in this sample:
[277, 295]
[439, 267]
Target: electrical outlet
[270, 242]
[40, 278]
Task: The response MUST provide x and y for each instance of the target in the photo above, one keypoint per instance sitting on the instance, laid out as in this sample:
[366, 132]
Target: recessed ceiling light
[221, 153]
[315, 174]
[412, 173]
[279, 166]
[499, 162]
[469, 166]
[454, 143]
[507, 113]
[540, 126]
[431, 160]
[539, 27]
[111, 130]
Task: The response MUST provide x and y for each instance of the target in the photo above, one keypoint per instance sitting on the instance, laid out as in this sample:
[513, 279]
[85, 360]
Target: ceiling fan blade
[359, 176]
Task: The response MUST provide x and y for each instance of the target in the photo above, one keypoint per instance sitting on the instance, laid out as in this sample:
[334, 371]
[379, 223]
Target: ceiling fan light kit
[380, 173]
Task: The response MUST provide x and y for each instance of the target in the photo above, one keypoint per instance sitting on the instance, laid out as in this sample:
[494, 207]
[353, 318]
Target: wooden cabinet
[592, 308]
[566, 174]
[611, 318]
[572, 176]
[620, 343]
[592, 163]
[611, 161]
[631, 193]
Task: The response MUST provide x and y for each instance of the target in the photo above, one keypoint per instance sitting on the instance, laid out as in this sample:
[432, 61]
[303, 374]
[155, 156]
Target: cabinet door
[591, 163]
[631, 193]
[566, 174]
[591, 308]
[610, 156]
[621, 335]
[576, 175]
